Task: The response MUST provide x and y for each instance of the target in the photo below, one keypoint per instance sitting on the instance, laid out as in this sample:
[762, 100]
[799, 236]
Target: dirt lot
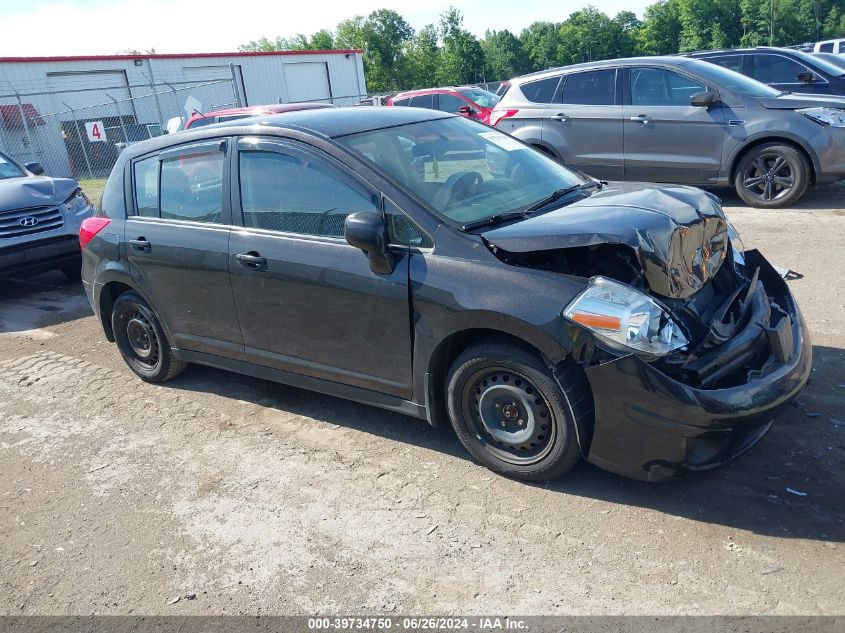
[117, 497]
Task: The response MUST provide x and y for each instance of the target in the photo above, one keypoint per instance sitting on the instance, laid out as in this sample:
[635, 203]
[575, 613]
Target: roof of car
[627, 61]
[327, 122]
[266, 109]
[427, 91]
[747, 49]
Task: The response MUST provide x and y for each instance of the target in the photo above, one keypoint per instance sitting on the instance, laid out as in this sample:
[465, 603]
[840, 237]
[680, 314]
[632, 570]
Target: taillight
[498, 115]
[89, 228]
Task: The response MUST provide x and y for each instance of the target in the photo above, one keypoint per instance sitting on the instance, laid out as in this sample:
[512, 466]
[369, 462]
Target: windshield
[815, 60]
[464, 170]
[730, 80]
[831, 60]
[8, 169]
[482, 97]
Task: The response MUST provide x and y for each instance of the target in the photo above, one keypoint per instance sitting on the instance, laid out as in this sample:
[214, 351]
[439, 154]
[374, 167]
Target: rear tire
[142, 341]
[772, 176]
[511, 415]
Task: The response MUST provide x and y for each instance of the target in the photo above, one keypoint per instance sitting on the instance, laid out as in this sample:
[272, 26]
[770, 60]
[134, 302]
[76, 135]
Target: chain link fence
[78, 132]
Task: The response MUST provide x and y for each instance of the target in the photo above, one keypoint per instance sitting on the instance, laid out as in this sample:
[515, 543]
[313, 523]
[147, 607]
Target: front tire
[142, 341]
[511, 415]
[772, 176]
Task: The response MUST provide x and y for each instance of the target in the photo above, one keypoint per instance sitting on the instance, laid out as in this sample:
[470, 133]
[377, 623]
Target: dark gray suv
[679, 120]
[428, 264]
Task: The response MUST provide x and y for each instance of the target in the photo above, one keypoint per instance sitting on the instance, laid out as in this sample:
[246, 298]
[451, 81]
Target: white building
[72, 113]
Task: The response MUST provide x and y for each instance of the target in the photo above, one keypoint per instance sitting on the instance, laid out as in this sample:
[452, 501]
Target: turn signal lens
[623, 317]
[89, 228]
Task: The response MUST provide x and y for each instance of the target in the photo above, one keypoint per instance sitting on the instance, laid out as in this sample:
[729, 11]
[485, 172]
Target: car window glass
[208, 120]
[480, 97]
[146, 187]
[826, 48]
[296, 194]
[402, 230]
[400, 102]
[775, 69]
[8, 169]
[192, 186]
[450, 103]
[658, 87]
[591, 88]
[732, 62]
[423, 101]
[542, 91]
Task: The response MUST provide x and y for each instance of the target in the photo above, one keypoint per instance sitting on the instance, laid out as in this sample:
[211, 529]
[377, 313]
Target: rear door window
[597, 87]
[401, 102]
[731, 62]
[826, 48]
[542, 91]
[423, 101]
[181, 184]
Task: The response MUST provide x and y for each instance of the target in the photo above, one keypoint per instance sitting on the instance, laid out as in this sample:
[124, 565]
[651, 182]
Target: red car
[468, 101]
[218, 116]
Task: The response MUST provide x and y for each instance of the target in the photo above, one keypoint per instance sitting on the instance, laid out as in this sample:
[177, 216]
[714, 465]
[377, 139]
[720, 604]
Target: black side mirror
[703, 99]
[368, 232]
[466, 110]
[807, 77]
[35, 168]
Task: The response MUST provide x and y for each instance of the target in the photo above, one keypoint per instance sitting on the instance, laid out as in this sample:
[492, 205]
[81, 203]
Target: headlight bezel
[823, 115]
[78, 203]
[625, 319]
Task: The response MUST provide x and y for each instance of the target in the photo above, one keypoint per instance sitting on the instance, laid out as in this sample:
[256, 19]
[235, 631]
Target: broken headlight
[624, 317]
[78, 202]
[834, 117]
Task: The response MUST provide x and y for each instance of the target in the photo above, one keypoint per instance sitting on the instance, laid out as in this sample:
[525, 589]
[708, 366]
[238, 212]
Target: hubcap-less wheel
[142, 339]
[768, 177]
[510, 416]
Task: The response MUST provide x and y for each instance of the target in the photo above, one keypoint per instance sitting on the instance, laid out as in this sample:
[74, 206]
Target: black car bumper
[40, 256]
[651, 426]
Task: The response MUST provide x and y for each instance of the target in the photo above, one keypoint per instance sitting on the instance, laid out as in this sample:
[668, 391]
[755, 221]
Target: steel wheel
[143, 340]
[510, 417]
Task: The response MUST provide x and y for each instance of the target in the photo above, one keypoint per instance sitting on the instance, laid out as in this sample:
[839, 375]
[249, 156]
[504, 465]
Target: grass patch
[93, 188]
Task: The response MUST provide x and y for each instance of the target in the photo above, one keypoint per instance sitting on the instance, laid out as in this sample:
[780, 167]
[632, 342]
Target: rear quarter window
[146, 187]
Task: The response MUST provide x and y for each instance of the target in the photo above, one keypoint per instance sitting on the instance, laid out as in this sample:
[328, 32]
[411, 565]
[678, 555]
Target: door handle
[641, 118]
[560, 117]
[252, 260]
[141, 244]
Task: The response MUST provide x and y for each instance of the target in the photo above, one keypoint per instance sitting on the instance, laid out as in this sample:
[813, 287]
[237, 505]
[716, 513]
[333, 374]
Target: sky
[91, 27]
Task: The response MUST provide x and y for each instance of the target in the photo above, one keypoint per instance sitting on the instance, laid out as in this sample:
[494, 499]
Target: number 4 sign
[96, 131]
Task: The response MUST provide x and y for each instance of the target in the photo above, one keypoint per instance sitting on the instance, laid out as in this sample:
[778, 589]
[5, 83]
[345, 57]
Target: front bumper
[39, 256]
[652, 427]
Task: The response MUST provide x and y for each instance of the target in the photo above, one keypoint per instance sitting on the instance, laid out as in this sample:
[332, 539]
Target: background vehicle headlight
[78, 202]
[624, 317]
[826, 116]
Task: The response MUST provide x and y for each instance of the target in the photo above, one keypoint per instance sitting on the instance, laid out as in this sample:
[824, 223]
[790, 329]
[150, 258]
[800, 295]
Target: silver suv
[679, 120]
[40, 219]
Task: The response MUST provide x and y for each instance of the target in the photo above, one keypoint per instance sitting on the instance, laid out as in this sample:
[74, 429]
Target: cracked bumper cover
[652, 427]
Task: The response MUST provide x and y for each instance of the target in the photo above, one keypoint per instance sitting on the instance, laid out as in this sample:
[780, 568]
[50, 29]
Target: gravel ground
[117, 497]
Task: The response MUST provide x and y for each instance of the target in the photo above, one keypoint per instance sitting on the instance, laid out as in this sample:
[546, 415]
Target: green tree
[462, 60]
[385, 34]
[503, 55]
[540, 44]
[423, 56]
[660, 32]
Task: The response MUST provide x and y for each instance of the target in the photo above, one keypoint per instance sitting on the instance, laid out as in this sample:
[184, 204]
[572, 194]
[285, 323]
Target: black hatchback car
[782, 68]
[433, 266]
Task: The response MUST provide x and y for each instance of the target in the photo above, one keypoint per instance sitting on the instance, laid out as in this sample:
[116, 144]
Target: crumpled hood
[679, 234]
[34, 191]
[795, 101]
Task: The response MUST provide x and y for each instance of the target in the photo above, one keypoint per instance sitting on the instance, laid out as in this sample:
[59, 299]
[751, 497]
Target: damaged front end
[688, 370]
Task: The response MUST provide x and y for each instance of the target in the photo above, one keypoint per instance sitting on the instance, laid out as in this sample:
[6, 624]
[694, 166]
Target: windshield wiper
[560, 193]
[494, 219]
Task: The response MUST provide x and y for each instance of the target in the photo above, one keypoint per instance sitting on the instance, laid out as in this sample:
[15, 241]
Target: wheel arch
[793, 142]
[106, 297]
[451, 346]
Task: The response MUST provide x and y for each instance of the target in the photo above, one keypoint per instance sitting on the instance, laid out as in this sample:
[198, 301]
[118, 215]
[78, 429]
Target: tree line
[397, 57]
